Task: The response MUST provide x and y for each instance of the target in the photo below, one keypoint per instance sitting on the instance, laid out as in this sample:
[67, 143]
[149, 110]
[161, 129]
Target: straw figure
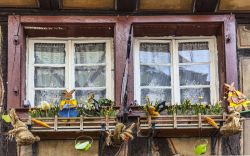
[21, 133]
[121, 134]
[232, 124]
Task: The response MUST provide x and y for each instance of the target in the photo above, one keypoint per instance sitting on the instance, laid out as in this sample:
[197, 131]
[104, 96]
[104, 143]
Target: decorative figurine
[232, 124]
[154, 110]
[68, 105]
[121, 134]
[21, 133]
[237, 100]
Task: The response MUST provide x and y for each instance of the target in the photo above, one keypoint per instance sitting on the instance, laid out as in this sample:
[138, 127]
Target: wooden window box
[76, 124]
[178, 125]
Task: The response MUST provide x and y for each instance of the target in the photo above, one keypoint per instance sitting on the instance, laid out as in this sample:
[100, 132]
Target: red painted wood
[16, 78]
[68, 19]
[14, 62]
[121, 38]
[230, 50]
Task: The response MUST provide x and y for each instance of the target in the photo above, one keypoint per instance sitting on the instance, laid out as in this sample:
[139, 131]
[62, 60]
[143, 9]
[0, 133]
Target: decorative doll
[68, 105]
[237, 100]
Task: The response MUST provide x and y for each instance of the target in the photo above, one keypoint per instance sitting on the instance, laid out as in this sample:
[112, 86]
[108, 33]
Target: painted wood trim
[14, 62]
[230, 50]
[122, 24]
[120, 46]
[132, 19]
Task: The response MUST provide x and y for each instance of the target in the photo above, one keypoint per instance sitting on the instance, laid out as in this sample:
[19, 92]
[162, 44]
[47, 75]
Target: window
[55, 65]
[176, 69]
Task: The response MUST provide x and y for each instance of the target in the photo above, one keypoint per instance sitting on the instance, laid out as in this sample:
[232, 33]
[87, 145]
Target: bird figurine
[154, 110]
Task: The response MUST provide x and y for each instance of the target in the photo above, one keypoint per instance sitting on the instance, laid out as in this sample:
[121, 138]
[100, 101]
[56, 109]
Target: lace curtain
[155, 71]
[49, 53]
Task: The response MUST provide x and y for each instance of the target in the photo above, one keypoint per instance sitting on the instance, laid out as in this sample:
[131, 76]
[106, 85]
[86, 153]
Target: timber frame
[225, 33]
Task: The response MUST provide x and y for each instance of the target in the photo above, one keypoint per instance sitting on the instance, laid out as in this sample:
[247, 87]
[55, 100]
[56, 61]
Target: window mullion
[70, 66]
[137, 90]
[213, 72]
[176, 83]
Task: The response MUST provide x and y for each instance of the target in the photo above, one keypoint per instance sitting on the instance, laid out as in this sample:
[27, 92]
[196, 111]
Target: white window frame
[69, 65]
[175, 84]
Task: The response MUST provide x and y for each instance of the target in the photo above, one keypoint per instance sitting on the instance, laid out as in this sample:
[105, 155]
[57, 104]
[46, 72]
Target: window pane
[87, 53]
[90, 76]
[155, 53]
[49, 77]
[81, 95]
[194, 93]
[194, 75]
[159, 94]
[51, 96]
[193, 52]
[155, 75]
[49, 53]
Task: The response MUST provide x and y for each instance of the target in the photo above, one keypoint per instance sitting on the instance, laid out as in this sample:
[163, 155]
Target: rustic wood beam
[205, 5]
[126, 5]
[16, 53]
[44, 4]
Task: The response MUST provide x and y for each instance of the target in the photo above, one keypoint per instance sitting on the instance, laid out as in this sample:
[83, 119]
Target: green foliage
[105, 102]
[85, 108]
[188, 108]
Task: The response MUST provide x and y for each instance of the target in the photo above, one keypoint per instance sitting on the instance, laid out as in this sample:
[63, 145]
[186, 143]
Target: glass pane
[193, 52]
[155, 53]
[51, 96]
[193, 94]
[49, 77]
[87, 53]
[90, 76]
[159, 94]
[81, 95]
[49, 53]
[194, 75]
[155, 75]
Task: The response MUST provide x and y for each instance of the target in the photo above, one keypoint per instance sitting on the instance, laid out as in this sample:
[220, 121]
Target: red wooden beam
[16, 53]
[14, 62]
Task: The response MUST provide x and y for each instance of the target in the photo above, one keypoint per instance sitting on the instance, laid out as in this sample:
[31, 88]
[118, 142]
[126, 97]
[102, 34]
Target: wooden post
[199, 121]
[175, 120]
[149, 121]
[55, 123]
[107, 122]
[29, 120]
[81, 123]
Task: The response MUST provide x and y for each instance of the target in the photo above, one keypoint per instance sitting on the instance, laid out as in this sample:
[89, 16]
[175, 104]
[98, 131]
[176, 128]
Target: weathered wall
[138, 147]
[244, 66]
[58, 148]
[7, 148]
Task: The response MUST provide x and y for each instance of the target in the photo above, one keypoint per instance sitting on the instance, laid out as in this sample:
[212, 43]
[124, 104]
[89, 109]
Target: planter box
[77, 124]
[178, 125]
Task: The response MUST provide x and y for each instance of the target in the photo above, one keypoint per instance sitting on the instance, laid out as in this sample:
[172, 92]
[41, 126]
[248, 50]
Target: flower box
[76, 124]
[178, 125]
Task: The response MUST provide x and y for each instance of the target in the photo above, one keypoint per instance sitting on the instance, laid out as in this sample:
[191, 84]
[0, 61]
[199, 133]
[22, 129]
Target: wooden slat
[166, 5]
[55, 123]
[206, 5]
[19, 3]
[88, 4]
[45, 4]
[127, 5]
